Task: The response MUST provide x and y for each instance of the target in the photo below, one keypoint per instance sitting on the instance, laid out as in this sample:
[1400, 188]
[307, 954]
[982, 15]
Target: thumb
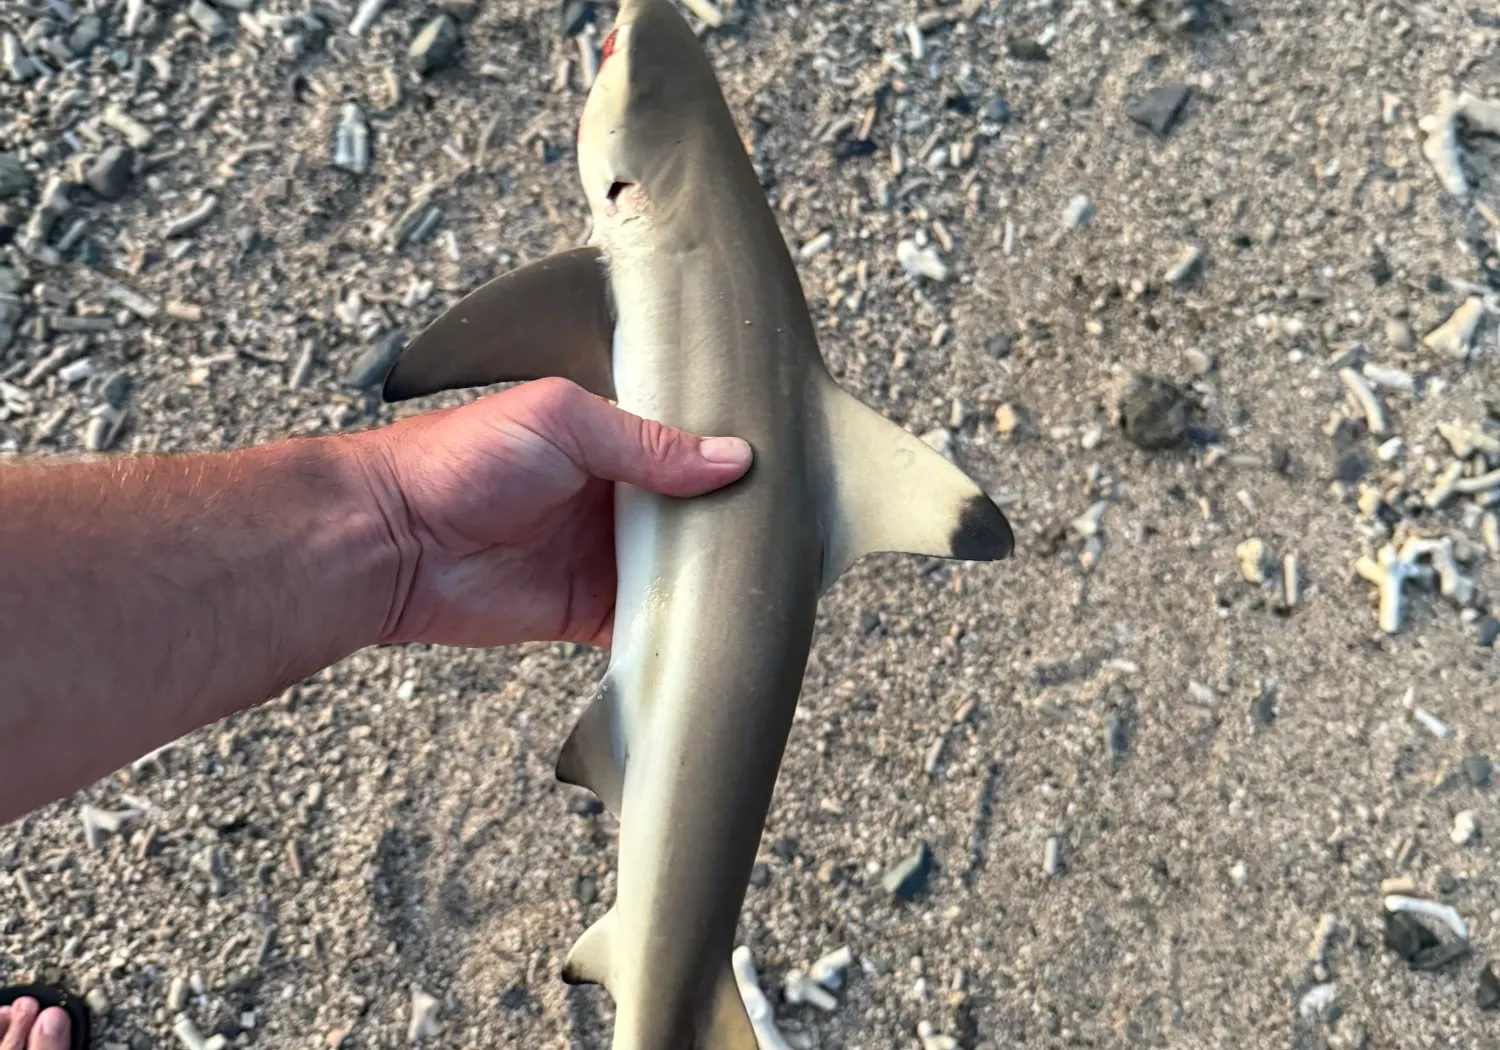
[611, 443]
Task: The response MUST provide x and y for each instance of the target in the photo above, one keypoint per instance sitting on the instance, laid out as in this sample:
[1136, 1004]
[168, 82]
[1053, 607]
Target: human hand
[503, 510]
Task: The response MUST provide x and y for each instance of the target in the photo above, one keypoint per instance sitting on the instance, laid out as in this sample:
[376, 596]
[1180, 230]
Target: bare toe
[22, 1014]
[51, 1030]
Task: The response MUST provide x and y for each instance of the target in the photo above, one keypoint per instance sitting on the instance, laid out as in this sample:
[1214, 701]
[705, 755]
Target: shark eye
[608, 48]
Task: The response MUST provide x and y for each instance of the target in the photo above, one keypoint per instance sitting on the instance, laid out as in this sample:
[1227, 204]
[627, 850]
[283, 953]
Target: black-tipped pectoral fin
[549, 318]
[890, 491]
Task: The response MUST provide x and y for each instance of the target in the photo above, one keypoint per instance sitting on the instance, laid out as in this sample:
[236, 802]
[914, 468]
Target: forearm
[143, 598]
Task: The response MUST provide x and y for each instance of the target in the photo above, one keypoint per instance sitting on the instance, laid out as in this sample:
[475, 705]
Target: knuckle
[660, 442]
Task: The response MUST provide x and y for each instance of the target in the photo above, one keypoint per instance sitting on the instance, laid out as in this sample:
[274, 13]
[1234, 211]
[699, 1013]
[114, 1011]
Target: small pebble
[424, 1022]
[1159, 108]
[1488, 995]
[909, 876]
[1185, 266]
[370, 367]
[111, 172]
[434, 46]
[14, 178]
[1154, 414]
[1078, 211]
[921, 262]
[1052, 857]
[1465, 827]
[98, 1001]
[1255, 560]
[1477, 768]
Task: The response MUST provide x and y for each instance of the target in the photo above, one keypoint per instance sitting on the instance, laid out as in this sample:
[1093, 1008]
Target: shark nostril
[615, 189]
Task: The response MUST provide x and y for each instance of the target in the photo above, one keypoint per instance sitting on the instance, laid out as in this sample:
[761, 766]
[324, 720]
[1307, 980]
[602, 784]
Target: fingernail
[729, 451]
[53, 1022]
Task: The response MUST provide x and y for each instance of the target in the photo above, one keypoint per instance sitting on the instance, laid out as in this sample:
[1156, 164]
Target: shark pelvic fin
[727, 1025]
[593, 756]
[549, 318]
[890, 491]
[588, 960]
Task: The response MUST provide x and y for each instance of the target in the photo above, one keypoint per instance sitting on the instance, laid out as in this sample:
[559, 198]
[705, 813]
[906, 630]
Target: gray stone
[1159, 108]
[909, 876]
[435, 45]
[14, 178]
[111, 173]
[370, 367]
[1477, 768]
[1154, 414]
[85, 35]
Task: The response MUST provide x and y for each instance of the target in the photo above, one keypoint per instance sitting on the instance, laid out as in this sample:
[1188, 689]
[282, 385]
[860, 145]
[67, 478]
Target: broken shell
[1442, 913]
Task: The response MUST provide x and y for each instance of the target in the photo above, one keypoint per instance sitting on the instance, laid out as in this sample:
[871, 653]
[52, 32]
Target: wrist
[383, 531]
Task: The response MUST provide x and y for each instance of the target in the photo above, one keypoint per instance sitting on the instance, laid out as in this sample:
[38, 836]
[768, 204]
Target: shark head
[654, 112]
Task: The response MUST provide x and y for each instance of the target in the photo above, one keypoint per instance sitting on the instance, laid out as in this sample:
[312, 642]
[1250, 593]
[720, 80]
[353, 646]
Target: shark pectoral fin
[593, 756]
[588, 961]
[890, 491]
[727, 1024]
[548, 318]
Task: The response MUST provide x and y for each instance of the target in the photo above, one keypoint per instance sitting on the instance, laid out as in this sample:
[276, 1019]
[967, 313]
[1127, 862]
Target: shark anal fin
[593, 756]
[549, 318]
[588, 960]
[726, 1025]
[890, 491]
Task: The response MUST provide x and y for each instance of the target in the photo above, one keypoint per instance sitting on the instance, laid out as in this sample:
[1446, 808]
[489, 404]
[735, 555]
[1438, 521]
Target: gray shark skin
[686, 307]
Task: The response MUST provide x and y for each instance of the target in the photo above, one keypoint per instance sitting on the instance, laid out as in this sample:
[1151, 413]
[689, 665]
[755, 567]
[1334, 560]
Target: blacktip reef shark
[685, 307]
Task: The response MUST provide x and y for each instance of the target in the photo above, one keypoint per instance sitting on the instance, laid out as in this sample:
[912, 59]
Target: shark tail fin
[589, 960]
[893, 492]
[726, 1024]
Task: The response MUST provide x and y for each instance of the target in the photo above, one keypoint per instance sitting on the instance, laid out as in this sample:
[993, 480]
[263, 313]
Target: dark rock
[515, 998]
[85, 35]
[1488, 631]
[760, 875]
[1488, 995]
[1025, 49]
[956, 101]
[576, 15]
[1407, 936]
[460, 10]
[586, 892]
[1380, 267]
[1159, 108]
[1477, 769]
[848, 149]
[1000, 346]
[12, 218]
[585, 806]
[1154, 414]
[90, 254]
[1352, 466]
[434, 46]
[116, 389]
[907, 879]
[369, 368]
[1264, 707]
[14, 178]
[111, 173]
[868, 622]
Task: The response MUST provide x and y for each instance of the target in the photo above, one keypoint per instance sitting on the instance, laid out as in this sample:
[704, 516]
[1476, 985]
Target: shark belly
[714, 617]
